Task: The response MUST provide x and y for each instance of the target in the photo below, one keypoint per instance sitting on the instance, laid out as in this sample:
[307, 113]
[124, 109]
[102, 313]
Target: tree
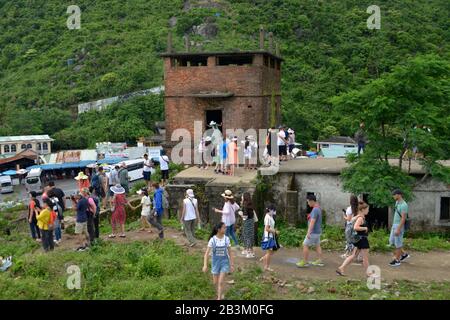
[406, 108]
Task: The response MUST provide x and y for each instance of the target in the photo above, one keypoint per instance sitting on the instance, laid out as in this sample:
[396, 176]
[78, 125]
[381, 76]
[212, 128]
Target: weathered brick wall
[251, 85]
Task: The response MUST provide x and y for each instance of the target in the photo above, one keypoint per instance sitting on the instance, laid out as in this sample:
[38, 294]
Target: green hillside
[327, 48]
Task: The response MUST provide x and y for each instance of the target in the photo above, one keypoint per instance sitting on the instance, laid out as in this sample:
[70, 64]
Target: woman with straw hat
[229, 214]
[82, 180]
[118, 216]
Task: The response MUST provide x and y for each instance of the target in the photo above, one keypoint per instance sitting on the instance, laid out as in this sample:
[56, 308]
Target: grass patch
[139, 270]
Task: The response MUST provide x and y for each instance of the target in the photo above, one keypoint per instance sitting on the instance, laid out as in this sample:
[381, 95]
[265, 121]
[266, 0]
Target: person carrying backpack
[96, 216]
[58, 219]
[359, 238]
[190, 216]
[34, 208]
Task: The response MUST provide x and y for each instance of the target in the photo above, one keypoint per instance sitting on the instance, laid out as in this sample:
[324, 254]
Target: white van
[6, 184]
[33, 181]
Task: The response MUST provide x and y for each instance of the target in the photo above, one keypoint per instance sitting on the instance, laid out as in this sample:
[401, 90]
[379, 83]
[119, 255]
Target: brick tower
[236, 89]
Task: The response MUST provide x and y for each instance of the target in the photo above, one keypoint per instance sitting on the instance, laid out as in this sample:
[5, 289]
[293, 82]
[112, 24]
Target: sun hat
[117, 189]
[208, 138]
[141, 191]
[234, 139]
[190, 193]
[212, 123]
[228, 194]
[251, 138]
[290, 130]
[81, 176]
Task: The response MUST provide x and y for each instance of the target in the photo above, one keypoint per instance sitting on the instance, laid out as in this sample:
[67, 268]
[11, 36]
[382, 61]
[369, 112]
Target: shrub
[149, 266]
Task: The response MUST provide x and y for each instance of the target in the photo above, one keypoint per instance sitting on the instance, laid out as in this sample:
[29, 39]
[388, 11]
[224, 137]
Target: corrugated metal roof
[44, 137]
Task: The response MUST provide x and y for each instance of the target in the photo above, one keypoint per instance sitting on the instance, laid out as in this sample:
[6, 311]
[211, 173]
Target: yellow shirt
[43, 219]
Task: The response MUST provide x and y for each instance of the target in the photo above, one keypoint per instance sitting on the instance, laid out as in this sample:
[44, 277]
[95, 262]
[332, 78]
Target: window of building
[23, 146]
[45, 146]
[13, 148]
[266, 61]
[29, 146]
[234, 60]
[349, 146]
[278, 65]
[445, 208]
[197, 61]
[325, 145]
[272, 63]
[39, 146]
[6, 148]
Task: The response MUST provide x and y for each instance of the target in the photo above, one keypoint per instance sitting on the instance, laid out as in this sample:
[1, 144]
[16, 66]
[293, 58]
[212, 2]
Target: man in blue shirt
[81, 203]
[398, 228]
[155, 217]
[313, 235]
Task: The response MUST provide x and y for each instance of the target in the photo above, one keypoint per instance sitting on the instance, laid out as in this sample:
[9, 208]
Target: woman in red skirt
[118, 216]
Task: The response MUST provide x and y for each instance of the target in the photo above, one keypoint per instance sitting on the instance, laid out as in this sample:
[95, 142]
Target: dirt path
[429, 266]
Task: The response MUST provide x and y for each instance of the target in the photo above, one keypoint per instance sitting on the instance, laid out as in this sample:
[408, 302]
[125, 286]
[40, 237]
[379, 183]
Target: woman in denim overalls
[222, 259]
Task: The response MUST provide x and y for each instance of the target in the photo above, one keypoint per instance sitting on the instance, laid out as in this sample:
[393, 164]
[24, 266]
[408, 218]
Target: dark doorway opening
[378, 217]
[214, 115]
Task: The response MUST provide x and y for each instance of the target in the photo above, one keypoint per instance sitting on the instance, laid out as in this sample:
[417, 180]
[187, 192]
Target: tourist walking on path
[361, 138]
[118, 216]
[398, 228]
[44, 222]
[94, 210]
[359, 224]
[229, 214]
[232, 153]
[313, 235]
[147, 171]
[81, 203]
[190, 217]
[34, 208]
[248, 215]
[124, 178]
[146, 204]
[158, 211]
[268, 151]
[164, 166]
[348, 214]
[222, 260]
[268, 243]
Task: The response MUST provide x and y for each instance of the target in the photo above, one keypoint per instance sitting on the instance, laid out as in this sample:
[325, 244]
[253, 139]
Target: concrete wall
[424, 209]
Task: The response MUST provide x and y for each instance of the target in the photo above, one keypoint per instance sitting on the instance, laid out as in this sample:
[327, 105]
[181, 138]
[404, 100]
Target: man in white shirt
[190, 216]
[164, 166]
[282, 143]
[147, 172]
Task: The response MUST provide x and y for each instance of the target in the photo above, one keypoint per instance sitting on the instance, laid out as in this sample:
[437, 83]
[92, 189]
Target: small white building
[336, 147]
[12, 145]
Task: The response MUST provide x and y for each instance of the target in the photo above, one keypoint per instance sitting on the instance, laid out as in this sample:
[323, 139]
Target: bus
[6, 184]
[33, 181]
[135, 169]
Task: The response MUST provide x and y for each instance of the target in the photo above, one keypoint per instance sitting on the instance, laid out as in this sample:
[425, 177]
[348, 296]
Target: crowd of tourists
[227, 155]
[46, 221]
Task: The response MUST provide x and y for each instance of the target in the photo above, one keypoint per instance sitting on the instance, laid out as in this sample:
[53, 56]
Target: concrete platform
[242, 177]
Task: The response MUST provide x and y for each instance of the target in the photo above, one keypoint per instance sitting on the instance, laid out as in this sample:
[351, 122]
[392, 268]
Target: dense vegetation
[328, 49]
